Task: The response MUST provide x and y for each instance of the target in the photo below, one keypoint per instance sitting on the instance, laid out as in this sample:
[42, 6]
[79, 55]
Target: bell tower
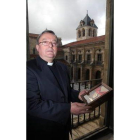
[86, 29]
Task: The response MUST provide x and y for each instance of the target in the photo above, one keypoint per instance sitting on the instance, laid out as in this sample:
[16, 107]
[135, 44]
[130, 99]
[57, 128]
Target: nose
[50, 44]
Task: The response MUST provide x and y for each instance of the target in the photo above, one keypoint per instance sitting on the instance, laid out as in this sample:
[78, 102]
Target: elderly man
[50, 99]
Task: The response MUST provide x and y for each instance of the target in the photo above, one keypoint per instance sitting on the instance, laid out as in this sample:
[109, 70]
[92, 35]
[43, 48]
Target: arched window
[79, 33]
[98, 76]
[66, 57]
[99, 57]
[83, 32]
[88, 58]
[73, 58]
[80, 57]
[79, 73]
[87, 74]
[89, 32]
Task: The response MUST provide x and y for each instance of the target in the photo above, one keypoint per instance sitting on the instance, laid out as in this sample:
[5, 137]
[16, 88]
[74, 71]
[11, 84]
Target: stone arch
[98, 76]
[89, 32]
[87, 75]
[99, 57]
[83, 32]
[79, 73]
[79, 33]
[66, 57]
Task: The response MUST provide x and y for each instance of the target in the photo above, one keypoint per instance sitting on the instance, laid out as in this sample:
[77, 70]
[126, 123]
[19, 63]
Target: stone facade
[86, 55]
[86, 32]
[32, 43]
[86, 58]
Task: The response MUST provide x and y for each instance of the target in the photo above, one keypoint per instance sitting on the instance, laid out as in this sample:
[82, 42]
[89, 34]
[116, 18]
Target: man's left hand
[81, 93]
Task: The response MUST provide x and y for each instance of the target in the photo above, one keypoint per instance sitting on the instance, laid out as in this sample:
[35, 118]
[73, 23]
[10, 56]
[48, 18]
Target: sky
[64, 16]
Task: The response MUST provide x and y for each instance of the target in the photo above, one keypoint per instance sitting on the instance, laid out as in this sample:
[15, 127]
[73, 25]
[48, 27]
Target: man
[50, 99]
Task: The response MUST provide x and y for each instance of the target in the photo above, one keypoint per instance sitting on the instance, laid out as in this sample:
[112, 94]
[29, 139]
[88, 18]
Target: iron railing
[87, 62]
[77, 120]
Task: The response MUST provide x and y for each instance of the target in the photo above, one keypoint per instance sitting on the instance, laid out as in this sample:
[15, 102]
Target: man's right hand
[80, 108]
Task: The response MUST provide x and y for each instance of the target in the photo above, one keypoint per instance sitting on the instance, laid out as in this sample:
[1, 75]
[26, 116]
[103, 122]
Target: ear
[37, 47]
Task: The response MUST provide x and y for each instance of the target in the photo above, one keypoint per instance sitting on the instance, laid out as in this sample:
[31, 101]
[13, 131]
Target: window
[66, 57]
[73, 58]
[88, 57]
[89, 32]
[98, 76]
[79, 73]
[99, 57]
[80, 58]
[87, 74]
[83, 32]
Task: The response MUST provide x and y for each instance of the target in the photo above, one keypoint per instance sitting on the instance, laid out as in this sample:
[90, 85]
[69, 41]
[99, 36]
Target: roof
[86, 41]
[60, 49]
[87, 20]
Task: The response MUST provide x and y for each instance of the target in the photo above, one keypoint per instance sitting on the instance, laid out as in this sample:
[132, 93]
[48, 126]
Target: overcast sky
[63, 16]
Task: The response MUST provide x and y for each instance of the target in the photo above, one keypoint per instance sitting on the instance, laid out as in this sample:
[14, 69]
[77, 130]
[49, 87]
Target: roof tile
[85, 41]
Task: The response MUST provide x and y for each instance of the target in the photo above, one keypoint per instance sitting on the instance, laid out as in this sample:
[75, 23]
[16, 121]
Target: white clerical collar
[50, 64]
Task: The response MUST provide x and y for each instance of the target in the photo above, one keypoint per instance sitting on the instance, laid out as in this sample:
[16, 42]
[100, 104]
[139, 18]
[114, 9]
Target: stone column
[107, 44]
[92, 56]
[86, 33]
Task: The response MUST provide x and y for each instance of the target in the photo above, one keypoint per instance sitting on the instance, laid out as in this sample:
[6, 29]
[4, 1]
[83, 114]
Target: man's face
[48, 48]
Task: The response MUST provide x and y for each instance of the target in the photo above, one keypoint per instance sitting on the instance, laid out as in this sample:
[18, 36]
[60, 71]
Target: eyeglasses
[47, 43]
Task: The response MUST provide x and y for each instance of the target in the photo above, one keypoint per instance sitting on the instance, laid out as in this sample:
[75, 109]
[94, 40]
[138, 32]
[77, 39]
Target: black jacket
[48, 98]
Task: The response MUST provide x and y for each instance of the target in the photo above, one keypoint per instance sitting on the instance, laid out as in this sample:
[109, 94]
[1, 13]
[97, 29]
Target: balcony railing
[87, 84]
[98, 62]
[79, 61]
[87, 62]
[73, 61]
[80, 119]
[77, 121]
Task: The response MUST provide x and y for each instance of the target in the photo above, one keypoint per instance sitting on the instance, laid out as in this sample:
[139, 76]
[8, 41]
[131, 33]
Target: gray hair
[46, 31]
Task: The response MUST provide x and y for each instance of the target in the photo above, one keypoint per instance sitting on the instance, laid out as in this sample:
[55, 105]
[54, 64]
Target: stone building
[86, 55]
[86, 29]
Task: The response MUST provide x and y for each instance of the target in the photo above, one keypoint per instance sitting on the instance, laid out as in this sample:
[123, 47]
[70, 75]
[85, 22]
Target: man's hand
[80, 108]
[81, 93]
